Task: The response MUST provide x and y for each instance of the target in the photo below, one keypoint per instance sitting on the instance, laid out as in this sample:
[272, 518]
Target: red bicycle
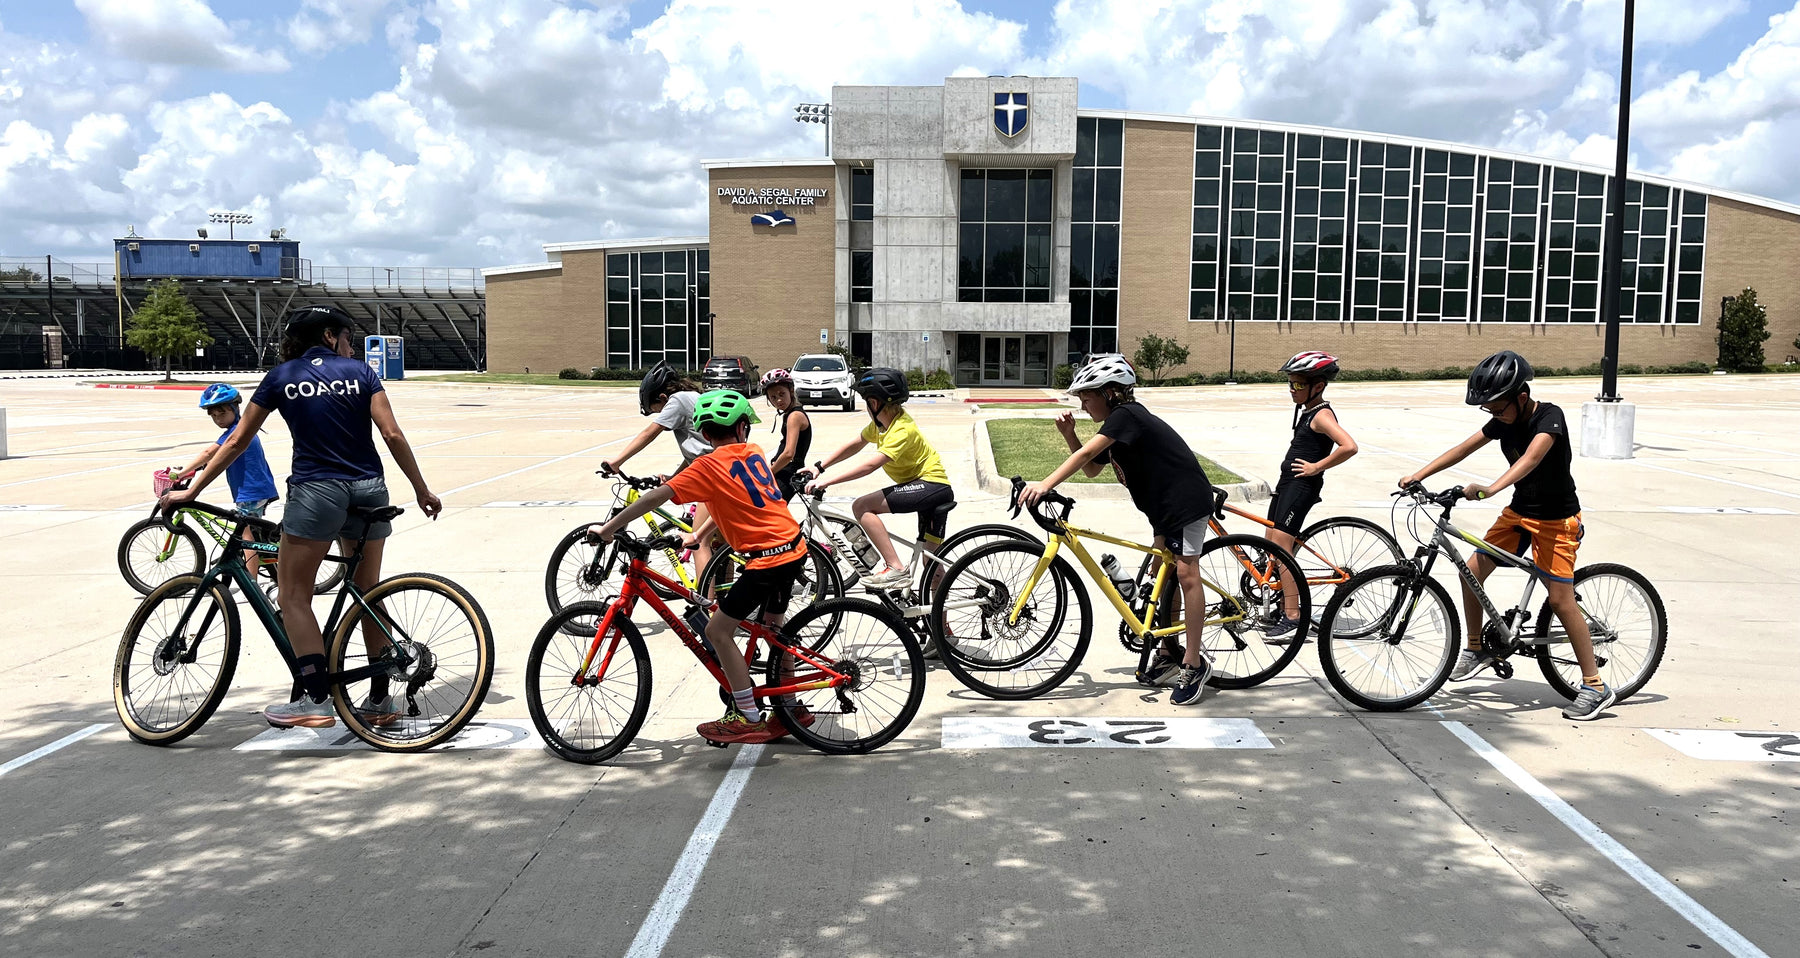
[843, 675]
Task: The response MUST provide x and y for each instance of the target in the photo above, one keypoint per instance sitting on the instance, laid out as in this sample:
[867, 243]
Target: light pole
[816, 113]
[232, 221]
[1607, 422]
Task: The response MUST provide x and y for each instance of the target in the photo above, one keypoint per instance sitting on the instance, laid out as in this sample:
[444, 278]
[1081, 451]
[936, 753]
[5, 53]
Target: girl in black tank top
[1307, 445]
[778, 388]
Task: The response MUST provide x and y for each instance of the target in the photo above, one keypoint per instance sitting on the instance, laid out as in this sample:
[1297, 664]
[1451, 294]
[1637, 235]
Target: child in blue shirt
[252, 484]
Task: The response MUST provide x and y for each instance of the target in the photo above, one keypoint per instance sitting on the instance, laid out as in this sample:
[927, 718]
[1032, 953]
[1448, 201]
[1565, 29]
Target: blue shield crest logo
[1011, 112]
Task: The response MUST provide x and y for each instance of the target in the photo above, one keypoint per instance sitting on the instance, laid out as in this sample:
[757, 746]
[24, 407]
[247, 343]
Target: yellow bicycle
[1014, 621]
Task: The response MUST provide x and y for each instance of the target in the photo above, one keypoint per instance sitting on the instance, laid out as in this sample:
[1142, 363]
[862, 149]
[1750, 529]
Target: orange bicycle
[1328, 553]
[843, 675]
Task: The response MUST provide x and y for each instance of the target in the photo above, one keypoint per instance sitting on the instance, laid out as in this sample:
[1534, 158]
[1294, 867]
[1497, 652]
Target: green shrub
[1065, 374]
[1156, 354]
[939, 379]
[915, 377]
[570, 372]
[1742, 331]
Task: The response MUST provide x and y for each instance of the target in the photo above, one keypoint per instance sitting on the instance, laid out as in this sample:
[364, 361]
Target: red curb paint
[148, 386]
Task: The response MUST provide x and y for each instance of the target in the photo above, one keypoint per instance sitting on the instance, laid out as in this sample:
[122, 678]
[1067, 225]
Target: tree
[1156, 354]
[1742, 330]
[842, 351]
[167, 326]
[23, 274]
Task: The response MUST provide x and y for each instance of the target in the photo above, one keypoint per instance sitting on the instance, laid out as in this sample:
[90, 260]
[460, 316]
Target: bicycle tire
[862, 637]
[1564, 674]
[1241, 654]
[1426, 674]
[197, 700]
[1025, 666]
[467, 687]
[1348, 542]
[576, 709]
[186, 553]
[567, 581]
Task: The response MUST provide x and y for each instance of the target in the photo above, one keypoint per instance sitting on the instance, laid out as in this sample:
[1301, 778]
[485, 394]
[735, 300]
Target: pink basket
[161, 481]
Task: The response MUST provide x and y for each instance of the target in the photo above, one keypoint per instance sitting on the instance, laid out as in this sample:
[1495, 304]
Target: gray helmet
[654, 384]
[1498, 377]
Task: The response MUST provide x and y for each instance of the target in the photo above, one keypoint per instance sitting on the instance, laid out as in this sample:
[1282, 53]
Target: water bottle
[860, 544]
[1127, 587]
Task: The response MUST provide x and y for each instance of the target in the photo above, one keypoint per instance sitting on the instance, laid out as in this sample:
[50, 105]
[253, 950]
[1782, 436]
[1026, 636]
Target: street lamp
[816, 113]
[1606, 428]
[233, 221]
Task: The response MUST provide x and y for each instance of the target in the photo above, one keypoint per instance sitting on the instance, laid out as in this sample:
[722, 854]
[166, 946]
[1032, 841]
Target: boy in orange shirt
[735, 483]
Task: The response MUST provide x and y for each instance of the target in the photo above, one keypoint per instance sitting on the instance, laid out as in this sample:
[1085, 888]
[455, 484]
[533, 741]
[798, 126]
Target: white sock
[745, 700]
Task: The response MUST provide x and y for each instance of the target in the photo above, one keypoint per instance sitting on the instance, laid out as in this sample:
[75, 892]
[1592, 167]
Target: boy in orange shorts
[1545, 513]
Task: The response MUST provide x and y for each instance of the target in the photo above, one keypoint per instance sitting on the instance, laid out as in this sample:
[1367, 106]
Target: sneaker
[380, 713]
[929, 648]
[734, 728]
[802, 716]
[1163, 668]
[301, 713]
[888, 577]
[1470, 664]
[1190, 683]
[1283, 632]
[1589, 703]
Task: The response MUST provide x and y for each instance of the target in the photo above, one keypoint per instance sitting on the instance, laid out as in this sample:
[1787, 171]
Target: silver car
[823, 379]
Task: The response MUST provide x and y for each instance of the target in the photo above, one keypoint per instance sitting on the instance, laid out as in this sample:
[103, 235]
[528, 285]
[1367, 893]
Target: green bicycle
[159, 548]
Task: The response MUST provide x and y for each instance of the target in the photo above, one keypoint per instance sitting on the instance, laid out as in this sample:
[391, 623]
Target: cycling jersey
[909, 456]
[740, 494]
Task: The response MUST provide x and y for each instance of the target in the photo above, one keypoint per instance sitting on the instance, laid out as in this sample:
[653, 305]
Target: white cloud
[178, 32]
[326, 24]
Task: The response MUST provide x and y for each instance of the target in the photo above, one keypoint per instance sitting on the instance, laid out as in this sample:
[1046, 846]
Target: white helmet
[1113, 370]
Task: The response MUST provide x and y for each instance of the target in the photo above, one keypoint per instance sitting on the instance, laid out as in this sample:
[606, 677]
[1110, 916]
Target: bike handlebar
[1448, 498]
[1052, 498]
[640, 483]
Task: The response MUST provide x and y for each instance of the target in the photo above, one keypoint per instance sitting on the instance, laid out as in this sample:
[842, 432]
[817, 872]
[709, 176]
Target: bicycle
[842, 537]
[1404, 651]
[1014, 608]
[1328, 552]
[158, 548]
[843, 675]
[424, 634]
[575, 575]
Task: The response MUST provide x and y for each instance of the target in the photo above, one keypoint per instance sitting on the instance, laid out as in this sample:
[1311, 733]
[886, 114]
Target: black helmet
[884, 383]
[321, 317]
[1498, 377]
[656, 383]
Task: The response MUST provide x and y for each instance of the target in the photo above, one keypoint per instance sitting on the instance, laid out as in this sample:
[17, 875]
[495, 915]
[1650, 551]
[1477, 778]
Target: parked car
[732, 372]
[823, 378]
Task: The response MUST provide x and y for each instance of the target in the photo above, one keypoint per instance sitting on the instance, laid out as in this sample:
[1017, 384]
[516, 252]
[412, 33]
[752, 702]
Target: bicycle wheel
[1235, 633]
[437, 655]
[167, 683]
[153, 551]
[875, 650]
[595, 717]
[1626, 619]
[1383, 669]
[573, 574]
[819, 580]
[1332, 550]
[1005, 659]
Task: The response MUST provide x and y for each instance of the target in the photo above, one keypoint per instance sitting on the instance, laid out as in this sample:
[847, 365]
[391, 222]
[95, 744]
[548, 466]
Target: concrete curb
[990, 480]
[187, 386]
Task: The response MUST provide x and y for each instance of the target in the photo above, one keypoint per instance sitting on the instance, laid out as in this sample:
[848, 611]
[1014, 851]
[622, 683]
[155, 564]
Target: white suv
[821, 378]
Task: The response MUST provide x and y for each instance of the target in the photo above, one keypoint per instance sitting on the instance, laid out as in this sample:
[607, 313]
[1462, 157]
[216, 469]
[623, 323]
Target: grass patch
[524, 379]
[1032, 448]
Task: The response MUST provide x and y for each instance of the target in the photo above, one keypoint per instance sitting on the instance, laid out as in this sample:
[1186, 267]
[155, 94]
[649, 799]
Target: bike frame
[919, 559]
[639, 582]
[1515, 619]
[1072, 536]
[1340, 575]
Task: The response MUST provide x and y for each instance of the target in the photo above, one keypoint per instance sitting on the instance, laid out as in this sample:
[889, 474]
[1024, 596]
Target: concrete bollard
[1606, 429]
[2, 433]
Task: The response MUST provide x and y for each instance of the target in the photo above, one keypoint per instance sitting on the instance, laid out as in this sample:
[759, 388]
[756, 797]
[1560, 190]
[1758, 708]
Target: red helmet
[1312, 364]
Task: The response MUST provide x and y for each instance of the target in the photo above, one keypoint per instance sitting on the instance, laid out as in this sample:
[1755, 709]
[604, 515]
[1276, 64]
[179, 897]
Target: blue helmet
[218, 394]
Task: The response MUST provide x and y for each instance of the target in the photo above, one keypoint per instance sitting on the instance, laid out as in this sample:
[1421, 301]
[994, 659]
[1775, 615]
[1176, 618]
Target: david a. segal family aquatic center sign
[773, 196]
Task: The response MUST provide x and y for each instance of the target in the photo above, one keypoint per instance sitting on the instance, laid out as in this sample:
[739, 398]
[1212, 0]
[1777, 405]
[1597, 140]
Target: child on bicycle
[1544, 514]
[1319, 443]
[735, 482]
[795, 428]
[670, 398]
[252, 483]
[919, 482]
[1168, 487]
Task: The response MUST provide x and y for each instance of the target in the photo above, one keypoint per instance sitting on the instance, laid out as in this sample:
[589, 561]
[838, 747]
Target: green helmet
[726, 407]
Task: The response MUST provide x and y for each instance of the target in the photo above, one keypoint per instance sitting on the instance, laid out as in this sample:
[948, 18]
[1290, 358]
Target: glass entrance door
[1003, 360]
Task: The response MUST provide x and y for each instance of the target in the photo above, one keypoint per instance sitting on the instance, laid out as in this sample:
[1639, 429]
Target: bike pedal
[1503, 669]
[713, 743]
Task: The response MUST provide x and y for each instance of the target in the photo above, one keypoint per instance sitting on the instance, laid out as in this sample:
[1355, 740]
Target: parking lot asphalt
[1479, 824]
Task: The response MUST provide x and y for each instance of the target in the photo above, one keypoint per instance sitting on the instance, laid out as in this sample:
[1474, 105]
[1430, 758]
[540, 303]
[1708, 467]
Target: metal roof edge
[740, 164]
[650, 242]
[522, 268]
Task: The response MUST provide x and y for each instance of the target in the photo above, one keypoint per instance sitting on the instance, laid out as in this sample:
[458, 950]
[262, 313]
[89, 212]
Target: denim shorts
[320, 509]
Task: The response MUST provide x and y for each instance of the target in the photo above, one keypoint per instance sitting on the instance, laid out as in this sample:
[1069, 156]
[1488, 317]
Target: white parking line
[680, 887]
[547, 462]
[60, 743]
[1729, 482]
[1708, 923]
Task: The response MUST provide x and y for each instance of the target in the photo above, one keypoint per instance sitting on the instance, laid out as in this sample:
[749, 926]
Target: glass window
[862, 276]
[618, 264]
[1112, 143]
[862, 194]
[1085, 135]
[974, 195]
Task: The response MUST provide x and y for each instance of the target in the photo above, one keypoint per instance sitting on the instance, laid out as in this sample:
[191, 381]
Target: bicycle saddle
[942, 510]
[375, 514]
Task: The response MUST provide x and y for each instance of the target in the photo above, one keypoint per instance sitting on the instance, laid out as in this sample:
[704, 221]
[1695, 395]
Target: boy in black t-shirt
[1167, 485]
[1545, 513]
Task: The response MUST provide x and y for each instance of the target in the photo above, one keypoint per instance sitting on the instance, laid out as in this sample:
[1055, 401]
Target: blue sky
[472, 132]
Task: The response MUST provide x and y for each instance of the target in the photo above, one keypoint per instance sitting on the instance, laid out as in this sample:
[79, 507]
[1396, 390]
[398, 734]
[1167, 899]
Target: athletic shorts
[1185, 541]
[320, 510]
[1553, 541]
[928, 499]
[253, 507]
[767, 590]
[1293, 500]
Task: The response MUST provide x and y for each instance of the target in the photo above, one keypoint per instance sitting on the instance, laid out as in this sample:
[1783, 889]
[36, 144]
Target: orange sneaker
[734, 728]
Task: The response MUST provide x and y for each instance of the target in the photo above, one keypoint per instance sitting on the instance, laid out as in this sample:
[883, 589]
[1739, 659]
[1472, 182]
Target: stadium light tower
[816, 113]
[232, 221]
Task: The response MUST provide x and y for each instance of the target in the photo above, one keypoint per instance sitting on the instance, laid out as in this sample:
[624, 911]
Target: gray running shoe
[380, 712]
[1470, 664]
[304, 713]
[1282, 632]
[1589, 703]
[1163, 669]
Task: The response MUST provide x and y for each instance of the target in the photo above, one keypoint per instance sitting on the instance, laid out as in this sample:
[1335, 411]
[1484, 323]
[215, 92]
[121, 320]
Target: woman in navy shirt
[329, 400]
